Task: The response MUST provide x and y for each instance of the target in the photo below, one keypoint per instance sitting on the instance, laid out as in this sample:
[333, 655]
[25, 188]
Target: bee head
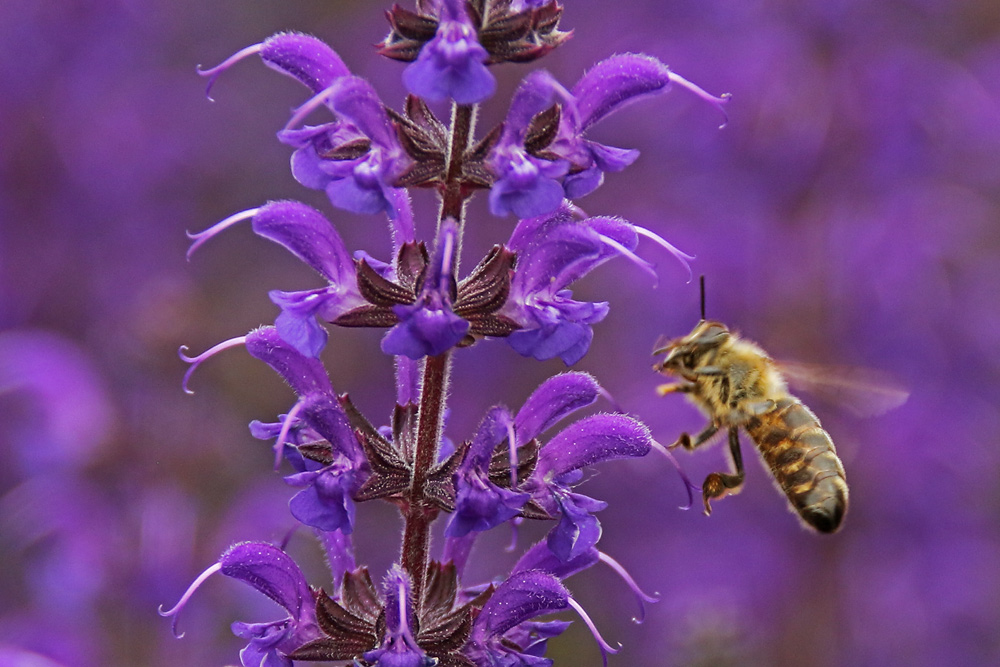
[683, 354]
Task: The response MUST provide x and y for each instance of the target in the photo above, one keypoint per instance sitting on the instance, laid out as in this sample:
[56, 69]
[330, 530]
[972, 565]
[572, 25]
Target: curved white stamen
[214, 72]
[689, 487]
[202, 236]
[640, 595]
[196, 361]
[681, 256]
[514, 523]
[175, 610]
[512, 453]
[309, 106]
[286, 426]
[605, 647]
[638, 261]
[719, 102]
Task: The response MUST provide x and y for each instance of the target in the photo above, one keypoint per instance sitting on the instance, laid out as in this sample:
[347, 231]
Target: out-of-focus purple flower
[70, 407]
[430, 326]
[452, 64]
[591, 440]
[553, 252]
[272, 572]
[500, 636]
[399, 647]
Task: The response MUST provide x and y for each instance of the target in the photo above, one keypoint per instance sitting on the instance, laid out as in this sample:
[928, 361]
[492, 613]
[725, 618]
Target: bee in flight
[739, 386]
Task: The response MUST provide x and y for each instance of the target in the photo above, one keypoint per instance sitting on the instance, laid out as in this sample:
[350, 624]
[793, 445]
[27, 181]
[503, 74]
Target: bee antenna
[701, 282]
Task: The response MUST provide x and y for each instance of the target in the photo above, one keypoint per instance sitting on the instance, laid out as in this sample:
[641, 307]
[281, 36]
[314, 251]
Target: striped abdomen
[804, 462]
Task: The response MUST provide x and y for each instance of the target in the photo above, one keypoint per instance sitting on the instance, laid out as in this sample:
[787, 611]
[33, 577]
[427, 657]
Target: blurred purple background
[847, 214]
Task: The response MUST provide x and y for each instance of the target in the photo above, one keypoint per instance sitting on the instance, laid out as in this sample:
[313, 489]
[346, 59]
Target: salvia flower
[399, 647]
[272, 572]
[355, 159]
[428, 312]
[553, 252]
[302, 57]
[539, 159]
[452, 64]
[526, 185]
[430, 326]
[508, 30]
[307, 234]
[503, 633]
[325, 501]
[480, 503]
[584, 443]
[487, 481]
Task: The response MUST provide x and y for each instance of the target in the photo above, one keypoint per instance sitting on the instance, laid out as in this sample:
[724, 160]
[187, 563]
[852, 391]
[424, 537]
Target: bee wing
[864, 392]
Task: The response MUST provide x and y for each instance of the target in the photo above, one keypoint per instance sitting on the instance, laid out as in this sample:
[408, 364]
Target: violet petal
[591, 440]
[616, 81]
[552, 401]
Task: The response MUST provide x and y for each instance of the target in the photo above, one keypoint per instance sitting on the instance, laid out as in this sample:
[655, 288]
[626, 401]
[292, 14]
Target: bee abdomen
[804, 462]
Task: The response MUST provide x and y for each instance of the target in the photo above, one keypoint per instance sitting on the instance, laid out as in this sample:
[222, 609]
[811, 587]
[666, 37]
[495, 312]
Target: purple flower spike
[307, 234]
[399, 647]
[480, 504]
[453, 64]
[526, 185]
[430, 326]
[553, 252]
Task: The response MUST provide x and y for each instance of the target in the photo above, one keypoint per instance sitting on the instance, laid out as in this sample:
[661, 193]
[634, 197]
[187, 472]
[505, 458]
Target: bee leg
[685, 441]
[674, 388]
[721, 484]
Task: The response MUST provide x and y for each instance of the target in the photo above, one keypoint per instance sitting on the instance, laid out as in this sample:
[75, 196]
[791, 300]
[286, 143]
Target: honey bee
[739, 386]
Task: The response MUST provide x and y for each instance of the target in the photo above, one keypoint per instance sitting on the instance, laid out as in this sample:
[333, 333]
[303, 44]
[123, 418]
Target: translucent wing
[864, 392]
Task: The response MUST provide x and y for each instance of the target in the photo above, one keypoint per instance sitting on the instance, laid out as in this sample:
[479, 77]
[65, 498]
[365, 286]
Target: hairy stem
[419, 512]
[463, 121]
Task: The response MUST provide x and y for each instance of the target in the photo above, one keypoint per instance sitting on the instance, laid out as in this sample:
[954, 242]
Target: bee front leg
[674, 388]
[721, 484]
[685, 441]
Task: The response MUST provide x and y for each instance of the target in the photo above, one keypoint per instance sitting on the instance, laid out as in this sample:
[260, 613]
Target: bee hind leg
[721, 484]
